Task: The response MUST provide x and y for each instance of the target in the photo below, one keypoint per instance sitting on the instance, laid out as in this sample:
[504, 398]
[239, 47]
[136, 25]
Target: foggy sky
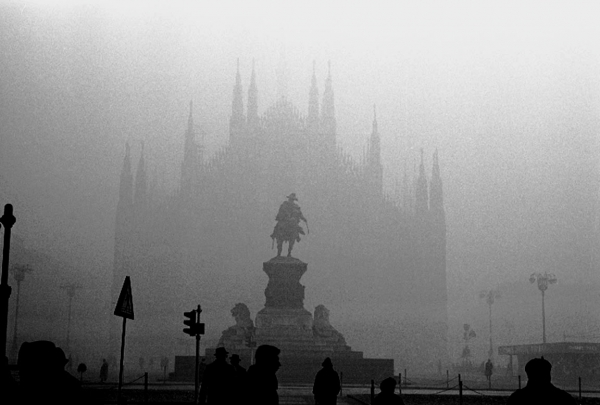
[507, 93]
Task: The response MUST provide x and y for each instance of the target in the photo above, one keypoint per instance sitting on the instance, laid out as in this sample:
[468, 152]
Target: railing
[458, 386]
[131, 383]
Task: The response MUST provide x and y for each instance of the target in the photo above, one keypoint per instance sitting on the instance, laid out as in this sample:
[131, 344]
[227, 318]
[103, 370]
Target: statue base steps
[305, 341]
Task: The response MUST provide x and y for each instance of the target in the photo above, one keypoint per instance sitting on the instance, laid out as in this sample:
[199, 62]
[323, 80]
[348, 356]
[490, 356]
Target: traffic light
[190, 322]
[194, 327]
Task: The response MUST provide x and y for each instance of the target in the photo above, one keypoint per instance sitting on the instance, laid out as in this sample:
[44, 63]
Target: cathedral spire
[192, 156]
[252, 99]
[313, 103]
[375, 144]
[375, 119]
[237, 120]
[141, 182]
[436, 195]
[407, 195]
[328, 123]
[190, 129]
[237, 110]
[126, 185]
[421, 198]
[375, 169]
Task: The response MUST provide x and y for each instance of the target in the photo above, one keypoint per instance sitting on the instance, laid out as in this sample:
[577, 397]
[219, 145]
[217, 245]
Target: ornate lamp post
[490, 296]
[19, 272]
[70, 288]
[543, 280]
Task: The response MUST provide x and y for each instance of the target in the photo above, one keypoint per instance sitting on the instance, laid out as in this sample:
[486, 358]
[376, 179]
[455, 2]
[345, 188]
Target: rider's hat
[292, 196]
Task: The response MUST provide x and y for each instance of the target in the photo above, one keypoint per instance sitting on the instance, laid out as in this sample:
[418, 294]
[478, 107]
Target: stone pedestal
[284, 314]
[284, 289]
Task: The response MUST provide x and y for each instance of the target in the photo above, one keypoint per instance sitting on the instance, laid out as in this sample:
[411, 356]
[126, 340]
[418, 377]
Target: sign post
[124, 309]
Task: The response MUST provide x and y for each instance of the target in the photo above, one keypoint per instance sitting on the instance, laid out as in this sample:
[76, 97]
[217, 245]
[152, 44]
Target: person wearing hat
[327, 384]
[42, 376]
[539, 389]
[218, 380]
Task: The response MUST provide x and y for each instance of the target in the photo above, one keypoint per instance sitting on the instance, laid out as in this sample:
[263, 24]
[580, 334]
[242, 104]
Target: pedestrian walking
[327, 384]
[218, 381]
[261, 378]
[104, 371]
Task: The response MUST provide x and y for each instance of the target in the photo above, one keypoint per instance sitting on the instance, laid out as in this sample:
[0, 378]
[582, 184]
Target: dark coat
[388, 398]
[262, 386]
[326, 386]
[546, 394]
[218, 383]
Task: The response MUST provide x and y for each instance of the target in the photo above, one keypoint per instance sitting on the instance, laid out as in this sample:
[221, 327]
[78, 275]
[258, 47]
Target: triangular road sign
[125, 302]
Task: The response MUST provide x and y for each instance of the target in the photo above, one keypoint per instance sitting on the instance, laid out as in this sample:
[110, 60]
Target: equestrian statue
[288, 227]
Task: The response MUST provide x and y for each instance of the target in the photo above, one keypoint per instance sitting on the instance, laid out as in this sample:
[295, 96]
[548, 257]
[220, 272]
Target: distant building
[570, 360]
[216, 226]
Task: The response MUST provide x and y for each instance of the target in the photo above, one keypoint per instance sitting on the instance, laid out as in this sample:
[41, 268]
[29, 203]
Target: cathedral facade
[369, 255]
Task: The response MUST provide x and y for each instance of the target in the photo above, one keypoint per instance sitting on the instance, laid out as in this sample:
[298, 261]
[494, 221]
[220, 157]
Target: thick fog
[506, 93]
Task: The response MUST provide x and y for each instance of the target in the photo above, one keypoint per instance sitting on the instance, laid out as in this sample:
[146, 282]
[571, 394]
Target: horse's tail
[272, 243]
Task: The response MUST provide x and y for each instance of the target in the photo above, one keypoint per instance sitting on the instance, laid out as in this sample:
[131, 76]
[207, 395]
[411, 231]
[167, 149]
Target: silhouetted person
[387, 395]
[489, 369]
[239, 384]
[42, 377]
[539, 389]
[235, 363]
[218, 380]
[261, 377]
[201, 368]
[327, 384]
[104, 371]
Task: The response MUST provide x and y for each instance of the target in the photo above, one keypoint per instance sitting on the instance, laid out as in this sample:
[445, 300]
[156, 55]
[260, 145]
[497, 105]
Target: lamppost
[19, 272]
[468, 334]
[7, 220]
[70, 288]
[543, 280]
[250, 340]
[490, 296]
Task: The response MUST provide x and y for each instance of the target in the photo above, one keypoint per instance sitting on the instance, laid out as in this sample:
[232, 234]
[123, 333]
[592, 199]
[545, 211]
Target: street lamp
[70, 288]
[543, 280]
[468, 334]
[19, 272]
[7, 220]
[490, 296]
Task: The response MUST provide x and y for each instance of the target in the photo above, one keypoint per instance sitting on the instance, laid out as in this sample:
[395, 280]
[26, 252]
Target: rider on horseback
[288, 227]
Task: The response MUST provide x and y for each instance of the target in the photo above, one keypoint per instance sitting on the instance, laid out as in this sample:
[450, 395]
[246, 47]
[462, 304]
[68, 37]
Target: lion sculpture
[241, 314]
[243, 325]
[323, 329]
